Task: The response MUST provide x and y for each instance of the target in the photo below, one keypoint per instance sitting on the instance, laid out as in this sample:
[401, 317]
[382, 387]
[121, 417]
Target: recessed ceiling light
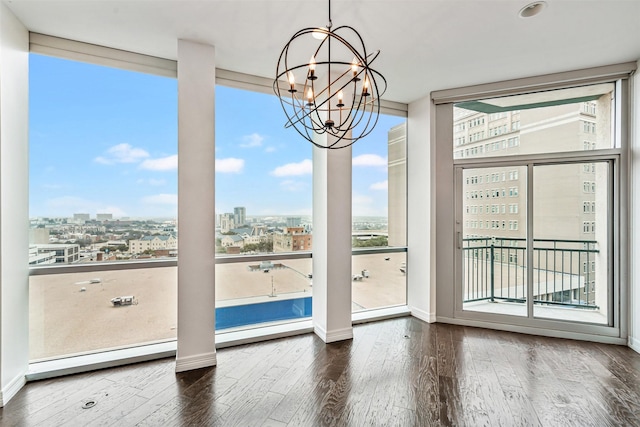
[532, 9]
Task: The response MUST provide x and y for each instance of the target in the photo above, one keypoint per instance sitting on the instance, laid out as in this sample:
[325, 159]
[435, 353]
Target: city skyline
[110, 145]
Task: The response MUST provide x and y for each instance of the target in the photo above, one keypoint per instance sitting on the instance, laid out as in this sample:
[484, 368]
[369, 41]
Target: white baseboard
[423, 315]
[198, 361]
[634, 344]
[11, 389]
[335, 335]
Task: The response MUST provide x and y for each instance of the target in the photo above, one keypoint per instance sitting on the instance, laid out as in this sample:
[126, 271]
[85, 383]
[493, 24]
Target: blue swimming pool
[270, 311]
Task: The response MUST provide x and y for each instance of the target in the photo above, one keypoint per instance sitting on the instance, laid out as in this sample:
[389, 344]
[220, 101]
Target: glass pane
[263, 205]
[379, 280]
[571, 203]
[263, 177]
[380, 185]
[574, 119]
[75, 313]
[494, 255]
[102, 188]
[259, 292]
[380, 214]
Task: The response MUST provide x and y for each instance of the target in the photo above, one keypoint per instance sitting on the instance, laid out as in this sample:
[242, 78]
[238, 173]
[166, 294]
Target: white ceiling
[425, 45]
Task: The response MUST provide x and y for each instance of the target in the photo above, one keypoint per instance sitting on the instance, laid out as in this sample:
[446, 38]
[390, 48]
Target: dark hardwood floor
[401, 372]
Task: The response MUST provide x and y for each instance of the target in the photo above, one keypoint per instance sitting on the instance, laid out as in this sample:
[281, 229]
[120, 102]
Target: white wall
[634, 296]
[420, 218]
[14, 204]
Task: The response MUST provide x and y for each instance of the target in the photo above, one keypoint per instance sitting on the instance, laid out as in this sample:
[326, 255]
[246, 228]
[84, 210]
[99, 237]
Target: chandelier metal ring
[337, 97]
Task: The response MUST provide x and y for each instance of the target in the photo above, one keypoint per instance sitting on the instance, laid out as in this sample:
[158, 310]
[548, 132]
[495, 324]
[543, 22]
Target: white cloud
[168, 163]
[161, 199]
[384, 185]
[367, 206]
[305, 167]
[270, 149]
[122, 153]
[294, 186]
[369, 160]
[253, 140]
[229, 165]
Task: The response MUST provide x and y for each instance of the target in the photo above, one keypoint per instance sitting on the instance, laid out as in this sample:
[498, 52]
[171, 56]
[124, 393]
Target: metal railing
[564, 271]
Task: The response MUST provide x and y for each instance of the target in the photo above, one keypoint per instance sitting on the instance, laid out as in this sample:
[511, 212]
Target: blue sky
[104, 140]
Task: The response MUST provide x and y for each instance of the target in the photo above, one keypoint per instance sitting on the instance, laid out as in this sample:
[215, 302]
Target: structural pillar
[196, 209]
[332, 243]
[14, 204]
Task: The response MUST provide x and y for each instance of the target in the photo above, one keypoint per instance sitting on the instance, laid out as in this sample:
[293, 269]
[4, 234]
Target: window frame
[448, 168]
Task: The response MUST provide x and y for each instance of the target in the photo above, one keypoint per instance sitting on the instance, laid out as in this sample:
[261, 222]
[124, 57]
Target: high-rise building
[397, 185]
[239, 216]
[569, 199]
[104, 217]
[81, 217]
[227, 222]
[294, 221]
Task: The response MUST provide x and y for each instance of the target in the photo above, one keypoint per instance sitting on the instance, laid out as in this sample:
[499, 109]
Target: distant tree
[251, 247]
[265, 246]
[123, 248]
[378, 241]
[221, 250]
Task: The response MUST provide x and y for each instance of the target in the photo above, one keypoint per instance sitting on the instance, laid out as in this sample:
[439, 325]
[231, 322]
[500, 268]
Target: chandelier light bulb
[312, 68]
[340, 99]
[354, 68]
[292, 82]
[310, 97]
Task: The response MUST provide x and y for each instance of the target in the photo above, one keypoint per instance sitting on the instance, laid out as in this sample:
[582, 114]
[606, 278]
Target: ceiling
[425, 44]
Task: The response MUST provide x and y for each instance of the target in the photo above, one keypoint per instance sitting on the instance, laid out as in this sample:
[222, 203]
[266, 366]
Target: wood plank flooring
[399, 372]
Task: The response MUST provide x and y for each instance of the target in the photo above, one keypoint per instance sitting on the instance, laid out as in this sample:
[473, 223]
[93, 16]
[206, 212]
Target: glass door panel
[494, 250]
[570, 256]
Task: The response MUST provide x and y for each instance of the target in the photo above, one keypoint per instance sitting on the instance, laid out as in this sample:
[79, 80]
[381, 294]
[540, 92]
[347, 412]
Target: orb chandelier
[326, 85]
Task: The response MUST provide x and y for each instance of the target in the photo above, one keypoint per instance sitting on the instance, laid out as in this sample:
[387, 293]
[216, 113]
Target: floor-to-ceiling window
[264, 232]
[379, 210]
[102, 207]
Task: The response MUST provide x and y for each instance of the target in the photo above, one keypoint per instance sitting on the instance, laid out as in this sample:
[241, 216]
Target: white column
[332, 244]
[14, 204]
[421, 211]
[634, 202]
[196, 211]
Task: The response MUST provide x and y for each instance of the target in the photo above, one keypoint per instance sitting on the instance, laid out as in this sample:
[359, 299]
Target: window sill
[143, 353]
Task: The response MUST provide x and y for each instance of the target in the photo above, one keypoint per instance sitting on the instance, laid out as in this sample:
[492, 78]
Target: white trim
[335, 335]
[124, 356]
[11, 389]
[634, 344]
[536, 331]
[380, 314]
[196, 361]
[105, 359]
[258, 334]
[94, 54]
[585, 76]
[101, 55]
[423, 315]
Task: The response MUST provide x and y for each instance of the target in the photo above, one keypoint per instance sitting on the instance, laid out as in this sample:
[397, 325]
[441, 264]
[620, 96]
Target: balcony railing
[564, 271]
